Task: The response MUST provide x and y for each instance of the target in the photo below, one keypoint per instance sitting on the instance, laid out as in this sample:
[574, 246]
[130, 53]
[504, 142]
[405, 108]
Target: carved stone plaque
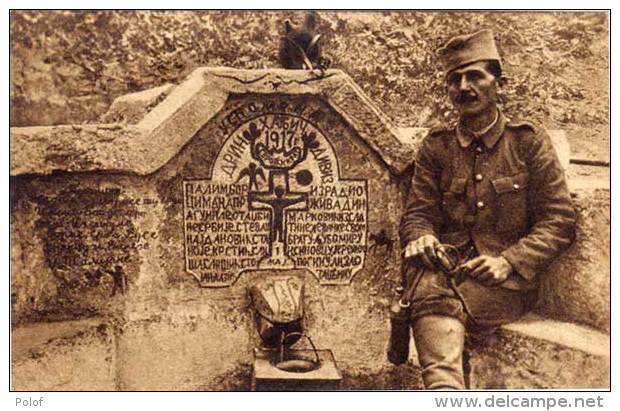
[275, 201]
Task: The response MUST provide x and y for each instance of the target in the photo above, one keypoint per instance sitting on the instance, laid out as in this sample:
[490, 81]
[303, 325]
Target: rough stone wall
[78, 243]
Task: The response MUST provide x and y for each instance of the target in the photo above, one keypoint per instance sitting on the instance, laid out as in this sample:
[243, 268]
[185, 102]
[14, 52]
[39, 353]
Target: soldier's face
[472, 89]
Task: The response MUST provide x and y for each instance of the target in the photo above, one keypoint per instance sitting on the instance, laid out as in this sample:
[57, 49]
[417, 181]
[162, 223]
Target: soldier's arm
[550, 209]
[423, 212]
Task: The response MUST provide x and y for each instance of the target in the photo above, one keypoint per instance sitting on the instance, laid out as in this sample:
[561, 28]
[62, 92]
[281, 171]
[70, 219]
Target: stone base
[267, 377]
[85, 355]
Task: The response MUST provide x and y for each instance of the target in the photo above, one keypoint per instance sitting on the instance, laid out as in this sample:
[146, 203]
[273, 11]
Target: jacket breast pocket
[453, 199]
[511, 202]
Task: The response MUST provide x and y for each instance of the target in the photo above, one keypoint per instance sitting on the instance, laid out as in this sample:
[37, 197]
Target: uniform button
[516, 186]
[478, 177]
[479, 149]
[480, 204]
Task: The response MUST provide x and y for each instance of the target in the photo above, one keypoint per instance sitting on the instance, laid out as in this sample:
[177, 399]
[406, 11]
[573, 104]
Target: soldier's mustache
[466, 97]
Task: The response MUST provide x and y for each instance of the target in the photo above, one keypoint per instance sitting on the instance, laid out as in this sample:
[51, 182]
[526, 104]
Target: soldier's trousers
[440, 320]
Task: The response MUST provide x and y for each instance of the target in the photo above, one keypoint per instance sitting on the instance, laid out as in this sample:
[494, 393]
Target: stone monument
[133, 242]
[159, 222]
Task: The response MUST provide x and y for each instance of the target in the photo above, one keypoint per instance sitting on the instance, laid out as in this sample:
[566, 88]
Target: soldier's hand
[487, 270]
[423, 250]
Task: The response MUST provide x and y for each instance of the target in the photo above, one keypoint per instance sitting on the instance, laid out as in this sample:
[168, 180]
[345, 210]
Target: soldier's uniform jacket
[504, 192]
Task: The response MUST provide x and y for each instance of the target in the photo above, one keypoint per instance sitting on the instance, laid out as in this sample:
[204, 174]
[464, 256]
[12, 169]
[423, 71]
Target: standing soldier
[494, 190]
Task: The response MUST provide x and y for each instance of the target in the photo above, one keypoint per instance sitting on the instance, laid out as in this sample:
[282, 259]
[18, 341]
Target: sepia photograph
[309, 200]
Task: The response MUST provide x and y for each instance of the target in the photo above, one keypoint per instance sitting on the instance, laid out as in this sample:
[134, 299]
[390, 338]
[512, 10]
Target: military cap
[468, 48]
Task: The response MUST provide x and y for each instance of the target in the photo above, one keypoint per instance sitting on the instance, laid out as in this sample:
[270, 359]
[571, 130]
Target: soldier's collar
[489, 137]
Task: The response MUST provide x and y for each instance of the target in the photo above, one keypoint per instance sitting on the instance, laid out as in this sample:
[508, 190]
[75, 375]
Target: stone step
[64, 356]
[541, 353]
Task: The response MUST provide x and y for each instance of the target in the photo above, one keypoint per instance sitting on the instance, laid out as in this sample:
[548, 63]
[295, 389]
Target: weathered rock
[577, 286]
[192, 191]
[199, 350]
[75, 244]
[45, 150]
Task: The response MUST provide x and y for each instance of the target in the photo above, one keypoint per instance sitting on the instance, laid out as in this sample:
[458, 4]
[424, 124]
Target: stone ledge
[543, 354]
[570, 335]
[146, 146]
[64, 356]
[71, 148]
[413, 136]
